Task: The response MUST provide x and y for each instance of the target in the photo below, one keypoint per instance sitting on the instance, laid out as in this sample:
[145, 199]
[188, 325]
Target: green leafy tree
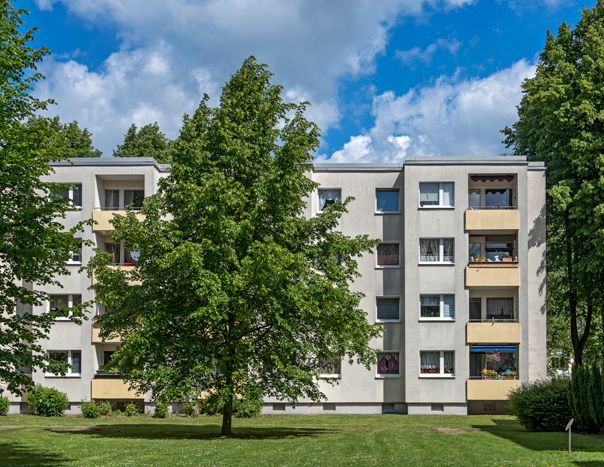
[148, 141]
[63, 140]
[561, 121]
[33, 244]
[237, 292]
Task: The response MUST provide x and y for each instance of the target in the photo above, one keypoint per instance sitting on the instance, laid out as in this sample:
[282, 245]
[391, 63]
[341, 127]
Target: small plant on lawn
[4, 405]
[161, 409]
[542, 406]
[49, 402]
[131, 410]
[90, 409]
[104, 407]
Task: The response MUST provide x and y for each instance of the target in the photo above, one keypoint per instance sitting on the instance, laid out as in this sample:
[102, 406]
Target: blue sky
[386, 79]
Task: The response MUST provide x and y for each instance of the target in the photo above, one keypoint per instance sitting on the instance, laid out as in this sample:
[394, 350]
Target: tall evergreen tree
[237, 292]
[148, 141]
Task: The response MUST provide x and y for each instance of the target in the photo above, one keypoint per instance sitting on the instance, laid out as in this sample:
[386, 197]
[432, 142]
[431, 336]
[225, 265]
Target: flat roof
[112, 162]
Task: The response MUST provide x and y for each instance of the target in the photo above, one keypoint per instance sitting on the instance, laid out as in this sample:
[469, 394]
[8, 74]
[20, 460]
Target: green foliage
[161, 409]
[34, 246]
[542, 405]
[90, 409]
[48, 402]
[189, 409]
[585, 397]
[4, 405]
[211, 405]
[62, 140]
[247, 408]
[148, 141]
[255, 290]
[560, 122]
[131, 410]
[104, 407]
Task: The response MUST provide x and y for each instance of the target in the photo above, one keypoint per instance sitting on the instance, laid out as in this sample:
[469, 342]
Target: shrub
[542, 406]
[189, 409]
[211, 405]
[48, 402]
[247, 408]
[161, 409]
[586, 397]
[90, 409]
[4, 405]
[131, 409]
[104, 407]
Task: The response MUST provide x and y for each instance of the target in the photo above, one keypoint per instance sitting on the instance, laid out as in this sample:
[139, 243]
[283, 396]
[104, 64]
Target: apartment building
[457, 282]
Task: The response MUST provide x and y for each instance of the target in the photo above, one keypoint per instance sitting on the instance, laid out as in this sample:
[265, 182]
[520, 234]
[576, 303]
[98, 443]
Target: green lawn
[289, 440]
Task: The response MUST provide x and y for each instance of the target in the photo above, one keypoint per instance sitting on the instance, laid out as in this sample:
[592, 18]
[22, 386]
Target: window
[493, 361]
[133, 199]
[63, 301]
[388, 364]
[436, 250]
[328, 406]
[112, 200]
[328, 197]
[72, 357]
[388, 308]
[474, 198]
[436, 194]
[330, 367]
[278, 407]
[500, 309]
[76, 254]
[388, 255]
[437, 306]
[492, 248]
[437, 363]
[387, 200]
[498, 198]
[475, 309]
[72, 194]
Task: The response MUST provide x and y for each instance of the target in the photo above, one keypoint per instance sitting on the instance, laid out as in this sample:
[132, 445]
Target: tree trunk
[227, 416]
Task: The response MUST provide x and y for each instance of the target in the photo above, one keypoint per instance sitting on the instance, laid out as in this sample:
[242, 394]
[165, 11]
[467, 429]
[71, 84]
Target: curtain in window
[475, 311]
[388, 308]
[430, 306]
[448, 195]
[134, 198]
[448, 254]
[428, 248]
[428, 194]
[500, 308]
[112, 199]
[430, 362]
[388, 363]
[327, 197]
[474, 198]
[449, 362]
[387, 254]
[498, 198]
[449, 306]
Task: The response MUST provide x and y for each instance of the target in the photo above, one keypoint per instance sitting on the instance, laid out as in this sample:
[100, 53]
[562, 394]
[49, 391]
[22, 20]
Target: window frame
[70, 373]
[441, 197]
[319, 190]
[441, 363]
[333, 375]
[388, 266]
[69, 304]
[379, 375]
[379, 320]
[71, 261]
[382, 190]
[441, 307]
[441, 251]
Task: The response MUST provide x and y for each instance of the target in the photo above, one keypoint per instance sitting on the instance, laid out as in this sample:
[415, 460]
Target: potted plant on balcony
[508, 374]
[489, 374]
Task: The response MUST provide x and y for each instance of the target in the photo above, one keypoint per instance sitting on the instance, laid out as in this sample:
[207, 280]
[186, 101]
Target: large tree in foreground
[33, 244]
[561, 121]
[237, 292]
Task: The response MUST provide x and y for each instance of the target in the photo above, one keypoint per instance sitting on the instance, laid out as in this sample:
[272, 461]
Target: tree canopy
[33, 244]
[148, 141]
[63, 140]
[236, 292]
[561, 121]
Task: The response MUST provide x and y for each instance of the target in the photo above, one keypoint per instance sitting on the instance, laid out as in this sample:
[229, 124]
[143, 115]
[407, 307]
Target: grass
[289, 440]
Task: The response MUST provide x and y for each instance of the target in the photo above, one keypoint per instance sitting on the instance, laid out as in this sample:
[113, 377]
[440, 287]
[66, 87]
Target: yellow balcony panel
[122, 267]
[492, 219]
[103, 219]
[96, 339]
[493, 333]
[490, 389]
[112, 388]
[492, 275]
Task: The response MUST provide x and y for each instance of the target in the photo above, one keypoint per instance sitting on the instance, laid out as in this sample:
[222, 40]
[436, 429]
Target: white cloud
[415, 54]
[173, 50]
[452, 117]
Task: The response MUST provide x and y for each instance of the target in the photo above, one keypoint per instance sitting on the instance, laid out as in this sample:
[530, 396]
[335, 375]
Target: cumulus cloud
[452, 117]
[173, 50]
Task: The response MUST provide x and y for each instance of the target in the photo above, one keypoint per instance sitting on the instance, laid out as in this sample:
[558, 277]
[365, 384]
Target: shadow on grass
[511, 430]
[20, 454]
[207, 432]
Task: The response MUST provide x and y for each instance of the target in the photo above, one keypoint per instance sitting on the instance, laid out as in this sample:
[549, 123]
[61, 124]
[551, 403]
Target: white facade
[462, 257]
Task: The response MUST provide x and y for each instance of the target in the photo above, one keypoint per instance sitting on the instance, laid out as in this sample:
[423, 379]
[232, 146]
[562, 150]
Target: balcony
[492, 332]
[102, 219]
[112, 387]
[96, 339]
[492, 274]
[487, 219]
[490, 389]
[122, 267]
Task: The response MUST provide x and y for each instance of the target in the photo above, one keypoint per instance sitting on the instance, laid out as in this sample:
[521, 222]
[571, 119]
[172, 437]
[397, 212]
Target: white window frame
[388, 266]
[332, 375]
[378, 320]
[398, 192]
[387, 376]
[70, 191]
[70, 373]
[441, 252]
[441, 302]
[319, 210]
[71, 262]
[441, 362]
[441, 196]
[69, 305]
